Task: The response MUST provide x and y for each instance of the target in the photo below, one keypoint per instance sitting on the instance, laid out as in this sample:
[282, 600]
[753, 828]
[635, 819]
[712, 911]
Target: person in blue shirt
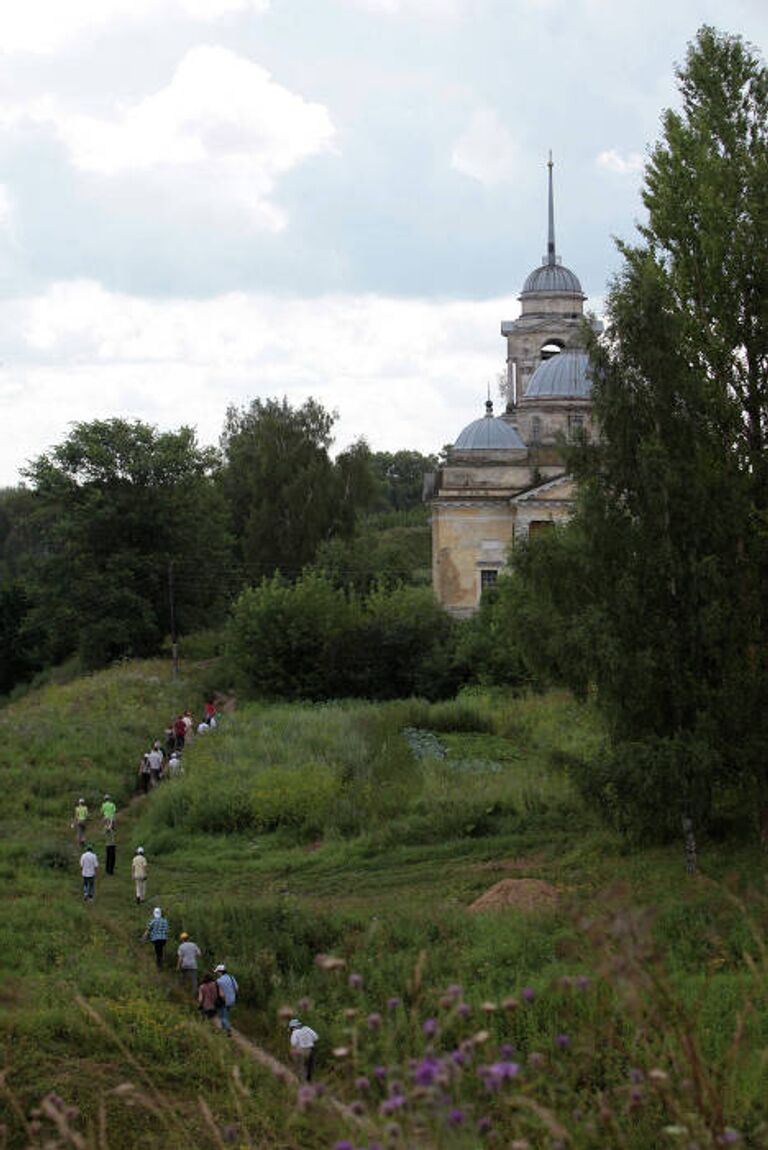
[228, 989]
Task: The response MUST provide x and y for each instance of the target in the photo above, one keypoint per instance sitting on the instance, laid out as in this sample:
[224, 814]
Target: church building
[504, 477]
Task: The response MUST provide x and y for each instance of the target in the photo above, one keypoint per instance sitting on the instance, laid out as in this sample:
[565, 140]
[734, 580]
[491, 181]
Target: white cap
[220, 969]
[157, 913]
[293, 1024]
[139, 850]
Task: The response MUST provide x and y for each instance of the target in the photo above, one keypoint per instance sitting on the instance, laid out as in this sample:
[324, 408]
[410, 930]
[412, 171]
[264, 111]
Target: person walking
[157, 934]
[186, 960]
[155, 760]
[139, 874]
[303, 1039]
[89, 864]
[207, 993]
[145, 773]
[110, 837]
[228, 989]
[80, 820]
[108, 812]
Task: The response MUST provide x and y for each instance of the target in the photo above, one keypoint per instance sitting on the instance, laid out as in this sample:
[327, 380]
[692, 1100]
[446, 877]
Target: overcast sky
[204, 201]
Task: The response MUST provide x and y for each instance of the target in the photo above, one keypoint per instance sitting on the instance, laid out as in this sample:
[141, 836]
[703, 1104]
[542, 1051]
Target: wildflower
[390, 1105]
[536, 1059]
[304, 1005]
[456, 1117]
[340, 1051]
[729, 1137]
[362, 1084]
[657, 1075]
[426, 1071]
[480, 1038]
[374, 1021]
[528, 994]
[350, 1013]
[306, 1096]
[285, 1012]
[488, 1007]
[510, 1003]
[357, 1107]
[454, 990]
[459, 1057]
[562, 1041]
[504, 1070]
[343, 1144]
[380, 1072]
[430, 1027]
[566, 982]
[583, 983]
[506, 1050]
[635, 1075]
[393, 1003]
[484, 1125]
[356, 981]
[230, 1134]
[463, 1010]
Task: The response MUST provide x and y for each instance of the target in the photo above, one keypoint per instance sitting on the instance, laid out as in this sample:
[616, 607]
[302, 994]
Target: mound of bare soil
[526, 894]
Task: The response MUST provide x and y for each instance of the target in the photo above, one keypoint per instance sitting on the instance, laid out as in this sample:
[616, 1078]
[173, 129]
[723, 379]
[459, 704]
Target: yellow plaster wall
[458, 554]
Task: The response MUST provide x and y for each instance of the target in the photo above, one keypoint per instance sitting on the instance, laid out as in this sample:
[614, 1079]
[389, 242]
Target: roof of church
[552, 277]
[489, 434]
[565, 376]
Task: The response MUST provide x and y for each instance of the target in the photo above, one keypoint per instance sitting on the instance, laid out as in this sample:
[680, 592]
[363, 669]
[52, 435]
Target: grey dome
[565, 376]
[552, 278]
[489, 434]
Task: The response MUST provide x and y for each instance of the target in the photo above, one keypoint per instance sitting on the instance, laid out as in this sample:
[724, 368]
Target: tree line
[122, 533]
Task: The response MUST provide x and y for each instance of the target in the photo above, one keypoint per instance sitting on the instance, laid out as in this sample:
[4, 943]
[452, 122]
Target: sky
[207, 201]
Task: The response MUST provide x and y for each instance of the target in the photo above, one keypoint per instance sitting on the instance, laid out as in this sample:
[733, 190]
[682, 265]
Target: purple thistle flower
[536, 1059]
[362, 1084]
[528, 994]
[380, 1072]
[306, 1096]
[636, 1075]
[463, 1010]
[393, 1003]
[562, 1041]
[374, 1021]
[454, 990]
[506, 1050]
[729, 1137]
[426, 1071]
[430, 1027]
[583, 983]
[459, 1057]
[456, 1117]
[390, 1105]
[304, 1004]
[502, 1071]
[484, 1125]
[343, 1144]
[356, 981]
[357, 1107]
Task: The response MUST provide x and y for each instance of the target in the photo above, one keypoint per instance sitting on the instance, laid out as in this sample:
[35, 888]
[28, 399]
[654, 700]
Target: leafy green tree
[118, 507]
[285, 492]
[674, 494]
[400, 476]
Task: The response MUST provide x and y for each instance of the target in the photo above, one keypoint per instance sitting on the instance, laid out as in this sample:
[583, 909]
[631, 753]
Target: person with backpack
[207, 994]
[227, 996]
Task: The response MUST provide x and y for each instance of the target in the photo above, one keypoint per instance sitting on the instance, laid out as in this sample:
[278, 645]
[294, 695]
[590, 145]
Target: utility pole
[172, 603]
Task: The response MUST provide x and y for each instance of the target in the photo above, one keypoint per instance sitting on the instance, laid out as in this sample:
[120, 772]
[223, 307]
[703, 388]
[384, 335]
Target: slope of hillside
[482, 961]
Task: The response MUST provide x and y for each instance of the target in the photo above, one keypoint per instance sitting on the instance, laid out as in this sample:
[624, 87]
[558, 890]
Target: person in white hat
[303, 1039]
[228, 988]
[157, 934]
[139, 874]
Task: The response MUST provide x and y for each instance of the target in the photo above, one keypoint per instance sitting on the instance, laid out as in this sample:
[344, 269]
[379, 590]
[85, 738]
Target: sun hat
[157, 913]
[183, 936]
[139, 850]
[220, 969]
[294, 1023]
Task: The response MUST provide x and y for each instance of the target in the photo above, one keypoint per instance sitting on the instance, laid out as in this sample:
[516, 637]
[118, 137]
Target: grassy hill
[335, 856]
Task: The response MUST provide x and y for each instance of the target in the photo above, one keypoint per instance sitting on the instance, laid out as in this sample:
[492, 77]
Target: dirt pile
[526, 894]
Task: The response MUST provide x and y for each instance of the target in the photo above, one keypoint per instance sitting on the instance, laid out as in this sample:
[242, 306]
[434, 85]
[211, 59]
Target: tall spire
[551, 257]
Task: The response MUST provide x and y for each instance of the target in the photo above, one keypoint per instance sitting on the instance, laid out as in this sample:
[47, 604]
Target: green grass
[307, 830]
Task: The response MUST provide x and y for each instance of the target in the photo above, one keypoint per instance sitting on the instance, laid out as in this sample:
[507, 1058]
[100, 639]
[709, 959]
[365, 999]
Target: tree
[285, 493]
[400, 475]
[674, 495]
[116, 507]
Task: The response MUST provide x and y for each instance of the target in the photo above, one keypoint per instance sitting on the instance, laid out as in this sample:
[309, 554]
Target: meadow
[331, 856]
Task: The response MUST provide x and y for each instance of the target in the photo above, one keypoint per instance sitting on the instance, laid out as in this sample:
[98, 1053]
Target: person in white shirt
[303, 1039]
[186, 960]
[89, 864]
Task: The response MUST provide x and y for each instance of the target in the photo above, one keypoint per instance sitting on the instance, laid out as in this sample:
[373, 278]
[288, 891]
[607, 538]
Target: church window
[536, 429]
[575, 424]
[538, 526]
[488, 579]
[551, 348]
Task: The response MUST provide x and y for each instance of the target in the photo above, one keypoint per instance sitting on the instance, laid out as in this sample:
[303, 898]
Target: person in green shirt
[108, 812]
[81, 818]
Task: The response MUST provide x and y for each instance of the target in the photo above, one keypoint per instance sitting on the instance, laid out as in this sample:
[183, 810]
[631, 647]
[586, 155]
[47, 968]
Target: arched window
[536, 429]
[551, 348]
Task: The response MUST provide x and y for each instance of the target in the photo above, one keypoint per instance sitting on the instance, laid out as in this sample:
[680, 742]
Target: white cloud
[428, 8]
[613, 161]
[43, 26]
[6, 209]
[222, 122]
[486, 151]
[414, 374]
